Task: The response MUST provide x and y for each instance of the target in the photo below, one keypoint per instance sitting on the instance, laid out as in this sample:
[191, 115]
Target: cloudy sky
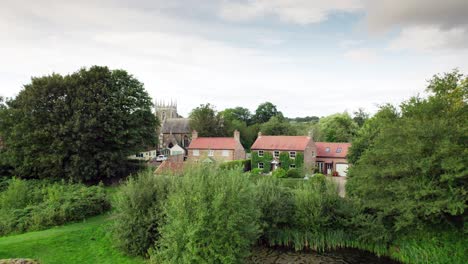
[308, 57]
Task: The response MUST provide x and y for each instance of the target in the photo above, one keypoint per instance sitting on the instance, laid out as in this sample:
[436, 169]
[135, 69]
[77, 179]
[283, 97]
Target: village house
[287, 152]
[331, 158]
[211, 149]
[144, 155]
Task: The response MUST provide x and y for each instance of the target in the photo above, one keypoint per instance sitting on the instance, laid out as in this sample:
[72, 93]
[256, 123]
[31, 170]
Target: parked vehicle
[161, 158]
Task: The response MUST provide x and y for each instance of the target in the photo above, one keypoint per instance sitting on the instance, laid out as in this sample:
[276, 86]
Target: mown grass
[85, 242]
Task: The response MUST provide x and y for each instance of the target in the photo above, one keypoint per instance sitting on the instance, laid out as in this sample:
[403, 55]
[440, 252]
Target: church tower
[165, 110]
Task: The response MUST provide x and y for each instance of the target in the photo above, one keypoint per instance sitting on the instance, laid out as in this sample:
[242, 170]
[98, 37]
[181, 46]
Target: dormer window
[338, 150]
[260, 153]
[327, 149]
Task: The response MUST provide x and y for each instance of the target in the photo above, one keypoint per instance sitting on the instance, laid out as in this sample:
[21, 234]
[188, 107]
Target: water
[342, 256]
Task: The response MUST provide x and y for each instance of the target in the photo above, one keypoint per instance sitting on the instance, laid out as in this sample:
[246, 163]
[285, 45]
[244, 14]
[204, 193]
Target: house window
[327, 149]
[260, 165]
[276, 154]
[320, 167]
[196, 152]
[139, 155]
[225, 153]
[292, 166]
[210, 153]
[260, 153]
[292, 154]
[338, 150]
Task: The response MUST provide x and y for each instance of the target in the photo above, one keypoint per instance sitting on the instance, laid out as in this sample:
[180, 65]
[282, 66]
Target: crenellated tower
[165, 110]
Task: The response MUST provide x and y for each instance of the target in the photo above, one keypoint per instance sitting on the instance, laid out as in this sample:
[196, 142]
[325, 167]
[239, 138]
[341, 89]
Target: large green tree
[337, 128]
[238, 113]
[80, 126]
[265, 112]
[207, 121]
[276, 126]
[410, 168]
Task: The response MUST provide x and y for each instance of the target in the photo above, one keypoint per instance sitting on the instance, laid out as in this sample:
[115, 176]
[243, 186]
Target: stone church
[174, 130]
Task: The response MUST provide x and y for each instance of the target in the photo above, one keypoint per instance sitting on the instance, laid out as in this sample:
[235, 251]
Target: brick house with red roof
[210, 149]
[287, 152]
[331, 157]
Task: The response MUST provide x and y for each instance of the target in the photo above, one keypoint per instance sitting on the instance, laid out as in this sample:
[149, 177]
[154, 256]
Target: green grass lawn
[85, 242]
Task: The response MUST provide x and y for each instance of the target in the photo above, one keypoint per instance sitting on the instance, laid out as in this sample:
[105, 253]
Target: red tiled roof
[213, 143]
[281, 143]
[322, 147]
[170, 167]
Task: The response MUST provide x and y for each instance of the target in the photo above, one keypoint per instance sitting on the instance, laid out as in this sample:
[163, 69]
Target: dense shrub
[34, 205]
[279, 173]
[293, 173]
[211, 217]
[138, 212]
[244, 164]
[276, 204]
[256, 171]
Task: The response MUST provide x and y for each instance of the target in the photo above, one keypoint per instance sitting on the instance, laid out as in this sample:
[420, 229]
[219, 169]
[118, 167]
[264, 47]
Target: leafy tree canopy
[207, 121]
[277, 125]
[238, 113]
[360, 116]
[410, 167]
[80, 126]
[265, 111]
[337, 128]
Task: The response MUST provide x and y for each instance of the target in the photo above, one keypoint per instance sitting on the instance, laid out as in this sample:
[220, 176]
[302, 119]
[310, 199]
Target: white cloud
[430, 38]
[291, 11]
[362, 55]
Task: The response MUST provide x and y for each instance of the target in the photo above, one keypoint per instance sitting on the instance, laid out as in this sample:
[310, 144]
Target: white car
[161, 158]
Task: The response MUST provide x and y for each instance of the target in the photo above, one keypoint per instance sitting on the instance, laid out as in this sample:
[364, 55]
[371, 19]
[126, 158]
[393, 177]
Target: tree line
[340, 127]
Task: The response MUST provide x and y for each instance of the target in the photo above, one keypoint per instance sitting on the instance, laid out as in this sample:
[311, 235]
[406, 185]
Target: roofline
[277, 149]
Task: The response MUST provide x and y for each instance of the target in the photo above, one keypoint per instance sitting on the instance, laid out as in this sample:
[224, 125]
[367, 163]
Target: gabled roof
[333, 147]
[176, 126]
[214, 143]
[281, 143]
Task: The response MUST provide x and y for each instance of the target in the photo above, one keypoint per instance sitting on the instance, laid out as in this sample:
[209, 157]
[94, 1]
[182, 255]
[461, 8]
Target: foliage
[337, 128]
[266, 159]
[211, 217]
[87, 242]
[265, 112]
[413, 172]
[35, 205]
[365, 137]
[311, 119]
[80, 126]
[293, 173]
[256, 171]
[138, 212]
[243, 164]
[206, 121]
[238, 113]
[279, 173]
[360, 117]
[276, 205]
[277, 125]
[286, 161]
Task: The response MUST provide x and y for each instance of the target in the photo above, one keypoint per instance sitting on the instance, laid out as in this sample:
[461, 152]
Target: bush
[35, 205]
[276, 204]
[293, 173]
[138, 212]
[211, 217]
[244, 164]
[256, 171]
[279, 173]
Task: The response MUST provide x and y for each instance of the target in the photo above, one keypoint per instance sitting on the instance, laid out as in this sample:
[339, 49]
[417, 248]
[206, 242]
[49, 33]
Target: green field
[85, 242]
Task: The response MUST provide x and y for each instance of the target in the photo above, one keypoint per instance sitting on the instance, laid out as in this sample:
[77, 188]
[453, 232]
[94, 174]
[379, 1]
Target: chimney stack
[237, 135]
[259, 134]
[194, 134]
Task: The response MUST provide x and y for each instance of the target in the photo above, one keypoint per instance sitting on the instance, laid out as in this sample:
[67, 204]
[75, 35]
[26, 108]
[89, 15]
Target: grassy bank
[85, 242]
